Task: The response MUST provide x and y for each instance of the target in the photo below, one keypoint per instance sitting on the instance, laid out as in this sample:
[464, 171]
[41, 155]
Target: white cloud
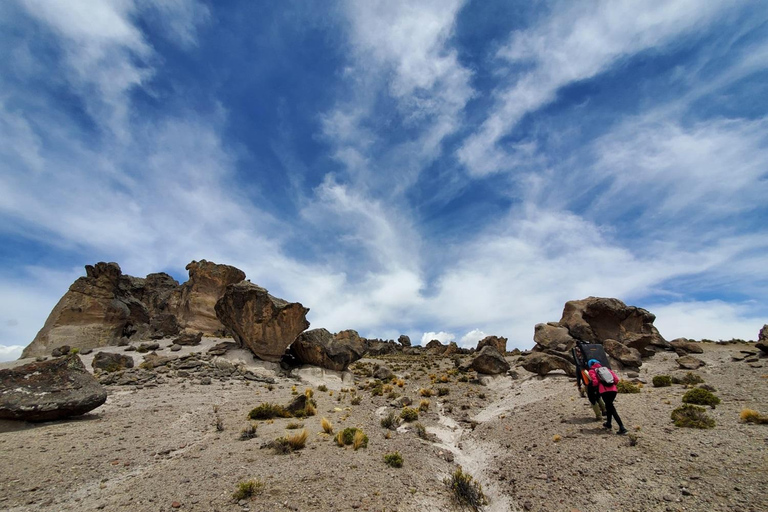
[442, 336]
[714, 320]
[470, 339]
[577, 41]
[10, 353]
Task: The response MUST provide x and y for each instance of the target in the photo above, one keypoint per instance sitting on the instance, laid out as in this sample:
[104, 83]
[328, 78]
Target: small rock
[176, 504]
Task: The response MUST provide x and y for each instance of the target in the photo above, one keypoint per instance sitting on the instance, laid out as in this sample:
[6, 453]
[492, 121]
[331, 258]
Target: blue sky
[445, 169]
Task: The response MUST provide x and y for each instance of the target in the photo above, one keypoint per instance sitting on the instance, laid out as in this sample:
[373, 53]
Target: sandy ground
[158, 447]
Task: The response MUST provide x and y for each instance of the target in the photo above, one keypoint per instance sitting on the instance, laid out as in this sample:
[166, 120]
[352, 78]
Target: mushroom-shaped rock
[49, 390]
[498, 342]
[489, 361]
[596, 319]
[263, 323]
[319, 347]
[542, 363]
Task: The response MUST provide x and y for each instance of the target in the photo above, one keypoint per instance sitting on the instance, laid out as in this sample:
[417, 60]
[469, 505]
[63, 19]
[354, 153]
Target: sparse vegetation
[443, 391]
[292, 443]
[356, 400]
[424, 405]
[389, 421]
[352, 436]
[409, 414]
[394, 460]
[426, 392]
[557, 438]
[421, 430]
[689, 379]
[701, 396]
[624, 386]
[692, 416]
[466, 491]
[247, 490]
[267, 411]
[294, 425]
[360, 440]
[248, 432]
[662, 381]
[752, 416]
[326, 425]
[322, 387]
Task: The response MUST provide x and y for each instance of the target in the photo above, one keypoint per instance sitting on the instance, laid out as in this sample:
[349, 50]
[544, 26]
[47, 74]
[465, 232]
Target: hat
[592, 362]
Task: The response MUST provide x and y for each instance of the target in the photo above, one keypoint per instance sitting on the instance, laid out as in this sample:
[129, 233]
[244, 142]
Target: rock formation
[682, 346]
[49, 390]
[110, 362]
[263, 323]
[319, 347]
[496, 341]
[762, 339]
[404, 340]
[542, 363]
[107, 306]
[489, 361]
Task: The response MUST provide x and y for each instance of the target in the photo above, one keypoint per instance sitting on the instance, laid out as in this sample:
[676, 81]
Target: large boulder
[553, 336]
[628, 357]
[378, 347]
[435, 347]
[265, 324]
[498, 342]
[49, 390]
[404, 340]
[319, 347]
[542, 363]
[689, 362]
[489, 361]
[197, 298]
[682, 347]
[596, 319]
[762, 339]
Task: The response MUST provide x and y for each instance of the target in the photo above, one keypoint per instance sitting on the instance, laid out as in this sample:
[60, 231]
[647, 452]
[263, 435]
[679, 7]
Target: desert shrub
[426, 392]
[421, 430]
[248, 432]
[356, 400]
[700, 396]
[294, 425]
[633, 439]
[443, 391]
[378, 389]
[267, 411]
[387, 388]
[444, 379]
[557, 438]
[752, 416]
[290, 443]
[400, 382]
[389, 421]
[466, 491]
[692, 416]
[322, 387]
[662, 381]
[689, 379]
[409, 414]
[394, 460]
[353, 436]
[624, 386]
[360, 440]
[424, 405]
[327, 427]
[74, 351]
[246, 490]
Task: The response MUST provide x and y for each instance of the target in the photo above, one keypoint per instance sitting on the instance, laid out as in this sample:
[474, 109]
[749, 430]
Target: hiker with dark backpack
[606, 384]
[593, 393]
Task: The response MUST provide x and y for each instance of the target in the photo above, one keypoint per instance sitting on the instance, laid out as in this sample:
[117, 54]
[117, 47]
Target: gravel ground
[531, 442]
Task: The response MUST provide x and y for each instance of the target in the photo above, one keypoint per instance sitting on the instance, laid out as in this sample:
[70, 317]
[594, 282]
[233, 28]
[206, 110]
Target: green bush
[347, 436]
[267, 411]
[692, 416]
[394, 459]
[389, 421]
[701, 396]
[662, 381]
[443, 391]
[624, 386]
[246, 490]
[409, 414]
[466, 491]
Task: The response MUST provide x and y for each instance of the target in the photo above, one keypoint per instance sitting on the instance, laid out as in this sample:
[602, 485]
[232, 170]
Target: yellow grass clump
[426, 392]
[557, 438]
[424, 405]
[359, 440]
[340, 438]
[327, 427]
[297, 441]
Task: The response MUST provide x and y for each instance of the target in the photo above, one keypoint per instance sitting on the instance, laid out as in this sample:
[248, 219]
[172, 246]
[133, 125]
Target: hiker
[607, 391]
[593, 392]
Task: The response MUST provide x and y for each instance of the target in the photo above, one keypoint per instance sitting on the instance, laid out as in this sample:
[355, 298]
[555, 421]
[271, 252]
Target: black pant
[608, 398]
[593, 394]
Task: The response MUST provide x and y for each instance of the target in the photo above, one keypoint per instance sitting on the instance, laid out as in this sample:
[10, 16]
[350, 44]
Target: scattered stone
[689, 363]
[60, 351]
[175, 348]
[383, 373]
[189, 339]
[110, 362]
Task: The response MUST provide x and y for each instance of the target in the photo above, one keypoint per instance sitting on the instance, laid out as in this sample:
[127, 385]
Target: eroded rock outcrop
[542, 363]
[762, 340]
[489, 361]
[107, 306]
[49, 390]
[265, 324]
[319, 347]
[498, 342]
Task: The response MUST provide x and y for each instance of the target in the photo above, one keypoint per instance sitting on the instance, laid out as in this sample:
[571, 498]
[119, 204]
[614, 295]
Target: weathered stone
[596, 319]
[489, 361]
[383, 373]
[221, 348]
[762, 339]
[175, 348]
[628, 357]
[682, 346]
[110, 362]
[435, 347]
[162, 325]
[61, 351]
[542, 363]
[551, 335]
[49, 390]
[498, 342]
[188, 339]
[319, 347]
[263, 323]
[380, 347]
[148, 347]
[451, 349]
[689, 362]
[404, 340]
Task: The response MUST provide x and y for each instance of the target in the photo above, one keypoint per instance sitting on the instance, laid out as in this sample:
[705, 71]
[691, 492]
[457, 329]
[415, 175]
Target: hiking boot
[607, 426]
[622, 431]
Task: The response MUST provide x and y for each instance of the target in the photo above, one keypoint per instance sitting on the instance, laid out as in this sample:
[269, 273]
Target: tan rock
[627, 356]
[319, 347]
[553, 336]
[498, 342]
[541, 364]
[263, 323]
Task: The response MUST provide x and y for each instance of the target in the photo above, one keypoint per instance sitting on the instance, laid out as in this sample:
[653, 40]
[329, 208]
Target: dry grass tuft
[360, 440]
[297, 441]
[327, 427]
[426, 392]
[752, 416]
[557, 438]
[424, 405]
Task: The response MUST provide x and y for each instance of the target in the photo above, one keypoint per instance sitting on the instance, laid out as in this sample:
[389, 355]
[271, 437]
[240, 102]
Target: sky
[445, 169]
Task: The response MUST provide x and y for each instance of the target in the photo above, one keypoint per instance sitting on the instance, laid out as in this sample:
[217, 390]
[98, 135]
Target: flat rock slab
[49, 390]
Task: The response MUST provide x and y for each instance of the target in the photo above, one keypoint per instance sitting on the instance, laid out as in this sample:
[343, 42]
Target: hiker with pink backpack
[606, 380]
